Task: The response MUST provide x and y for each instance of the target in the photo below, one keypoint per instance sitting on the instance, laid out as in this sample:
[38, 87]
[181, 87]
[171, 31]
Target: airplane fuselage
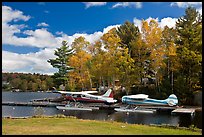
[144, 100]
[88, 98]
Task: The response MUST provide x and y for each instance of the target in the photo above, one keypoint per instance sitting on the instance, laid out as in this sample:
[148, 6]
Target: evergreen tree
[128, 32]
[63, 53]
[189, 29]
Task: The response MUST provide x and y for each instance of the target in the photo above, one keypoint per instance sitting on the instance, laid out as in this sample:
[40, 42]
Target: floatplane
[139, 100]
[142, 99]
[86, 97]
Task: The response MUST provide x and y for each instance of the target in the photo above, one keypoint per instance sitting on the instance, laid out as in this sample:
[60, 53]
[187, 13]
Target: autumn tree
[24, 85]
[80, 76]
[111, 46]
[96, 65]
[152, 35]
[15, 82]
[169, 36]
[141, 54]
[118, 63]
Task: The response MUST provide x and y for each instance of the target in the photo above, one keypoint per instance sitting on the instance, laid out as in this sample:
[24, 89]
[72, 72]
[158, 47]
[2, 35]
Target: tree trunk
[172, 82]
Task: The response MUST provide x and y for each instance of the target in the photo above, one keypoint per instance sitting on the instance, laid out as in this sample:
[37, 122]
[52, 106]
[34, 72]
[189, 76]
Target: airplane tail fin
[172, 100]
[108, 93]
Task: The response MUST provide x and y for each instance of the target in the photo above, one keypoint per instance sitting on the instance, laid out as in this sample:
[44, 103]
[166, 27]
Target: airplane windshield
[139, 99]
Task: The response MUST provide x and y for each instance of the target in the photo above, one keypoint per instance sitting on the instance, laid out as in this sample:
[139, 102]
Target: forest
[26, 82]
[153, 61]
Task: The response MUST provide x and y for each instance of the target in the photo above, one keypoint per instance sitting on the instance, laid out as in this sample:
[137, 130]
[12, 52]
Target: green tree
[169, 35]
[128, 32]
[24, 85]
[44, 86]
[16, 83]
[34, 86]
[30, 85]
[63, 53]
[49, 82]
[189, 29]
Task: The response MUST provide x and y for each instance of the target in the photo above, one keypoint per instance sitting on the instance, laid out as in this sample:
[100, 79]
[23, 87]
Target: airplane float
[86, 97]
[142, 99]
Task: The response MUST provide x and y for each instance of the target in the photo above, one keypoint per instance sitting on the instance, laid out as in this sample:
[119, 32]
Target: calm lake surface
[105, 115]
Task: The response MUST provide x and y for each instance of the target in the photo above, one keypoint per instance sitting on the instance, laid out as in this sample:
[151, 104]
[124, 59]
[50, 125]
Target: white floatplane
[142, 99]
[87, 97]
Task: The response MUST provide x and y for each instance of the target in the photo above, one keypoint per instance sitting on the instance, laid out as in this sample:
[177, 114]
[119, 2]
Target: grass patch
[62, 125]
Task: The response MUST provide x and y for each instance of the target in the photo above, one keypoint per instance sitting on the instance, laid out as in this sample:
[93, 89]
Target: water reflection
[92, 115]
[145, 118]
[132, 118]
[197, 119]
[187, 120]
[25, 111]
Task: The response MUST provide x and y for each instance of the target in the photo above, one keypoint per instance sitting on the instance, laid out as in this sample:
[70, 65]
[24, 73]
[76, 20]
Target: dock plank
[184, 110]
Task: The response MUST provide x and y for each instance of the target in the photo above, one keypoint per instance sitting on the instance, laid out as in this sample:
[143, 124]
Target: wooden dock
[51, 104]
[135, 110]
[34, 104]
[76, 108]
[149, 109]
[184, 111]
[162, 109]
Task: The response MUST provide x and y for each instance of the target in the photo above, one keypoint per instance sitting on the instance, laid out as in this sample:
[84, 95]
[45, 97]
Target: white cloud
[138, 23]
[197, 5]
[36, 38]
[28, 63]
[40, 38]
[92, 4]
[186, 4]
[105, 30]
[128, 4]
[168, 21]
[42, 24]
[200, 10]
[8, 15]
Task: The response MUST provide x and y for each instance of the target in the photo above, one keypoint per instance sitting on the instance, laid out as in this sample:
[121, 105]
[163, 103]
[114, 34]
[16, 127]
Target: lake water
[104, 115]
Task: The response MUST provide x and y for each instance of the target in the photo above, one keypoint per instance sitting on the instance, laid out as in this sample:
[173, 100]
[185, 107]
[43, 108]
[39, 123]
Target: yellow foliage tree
[152, 36]
[80, 76]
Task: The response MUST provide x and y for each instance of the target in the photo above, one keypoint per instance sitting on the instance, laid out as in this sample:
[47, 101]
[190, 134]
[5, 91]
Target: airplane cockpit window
[74, 96]
[83, 96]
[78, 96]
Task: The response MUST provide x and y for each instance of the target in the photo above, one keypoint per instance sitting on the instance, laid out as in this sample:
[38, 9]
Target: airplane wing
[139, 96]
[89, 92]
[79, 93]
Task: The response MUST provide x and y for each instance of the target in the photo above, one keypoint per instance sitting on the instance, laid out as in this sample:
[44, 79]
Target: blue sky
[31, 31]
